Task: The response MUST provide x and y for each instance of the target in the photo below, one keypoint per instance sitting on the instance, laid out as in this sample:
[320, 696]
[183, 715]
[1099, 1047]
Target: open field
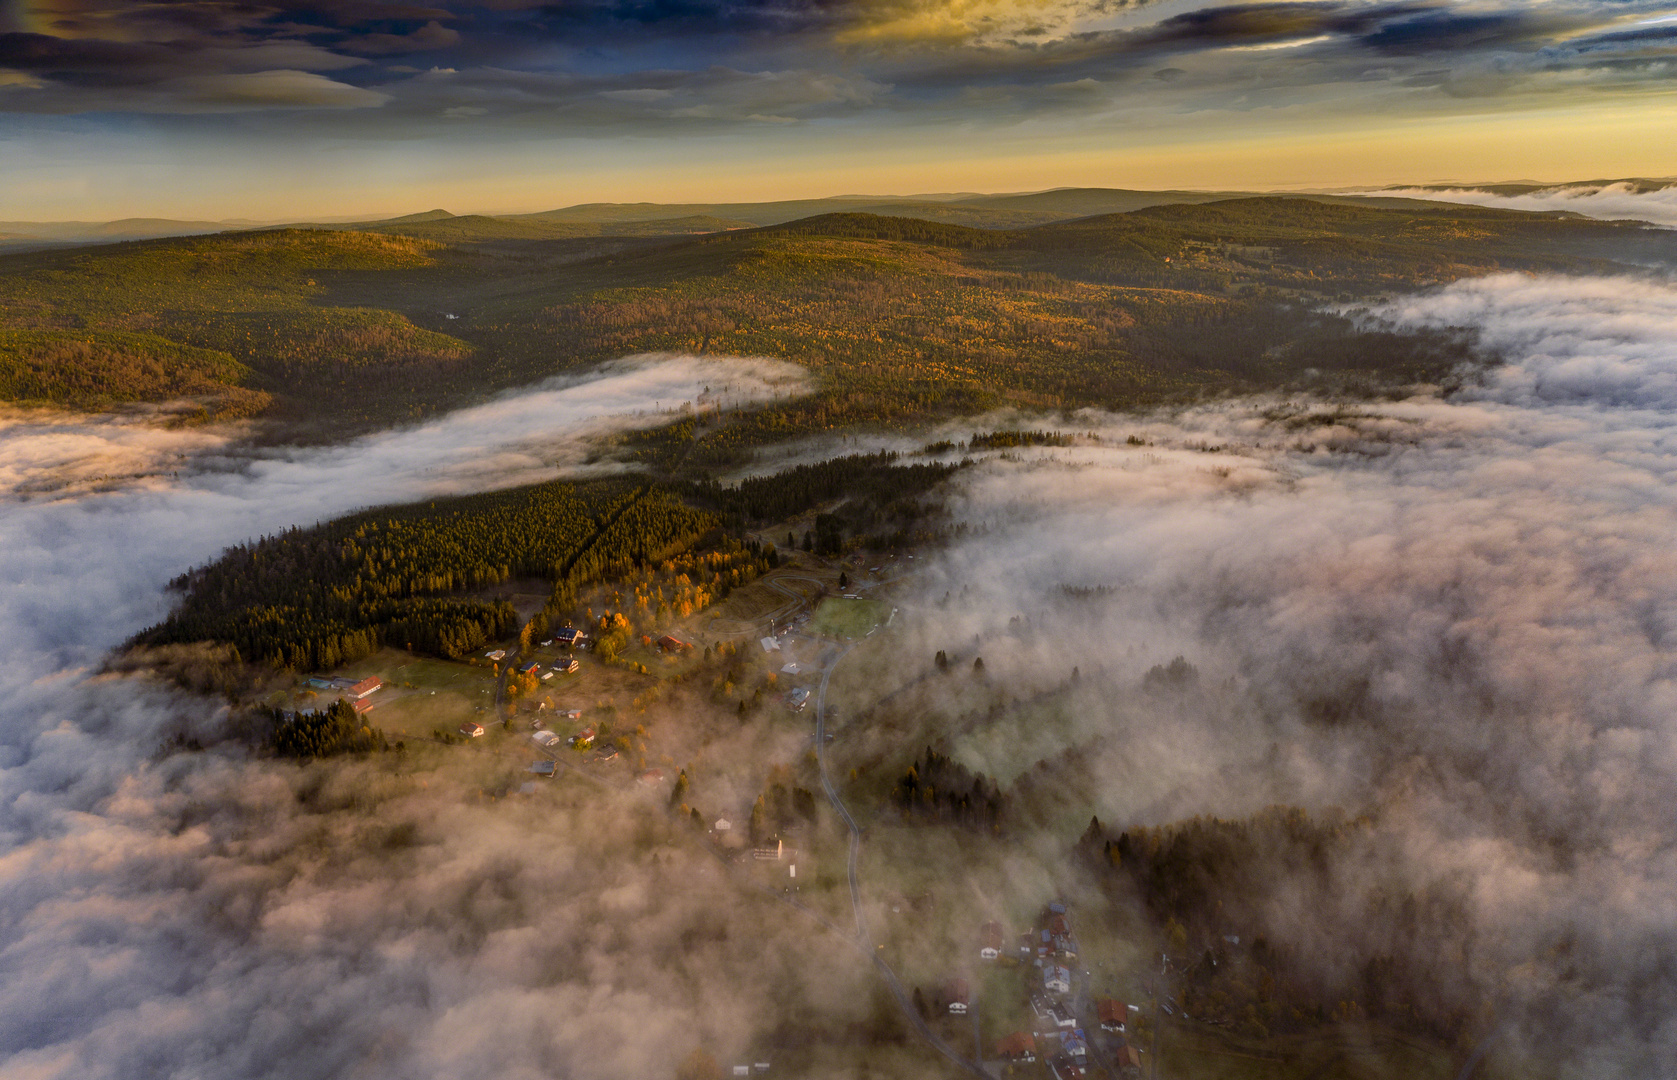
[841, 618]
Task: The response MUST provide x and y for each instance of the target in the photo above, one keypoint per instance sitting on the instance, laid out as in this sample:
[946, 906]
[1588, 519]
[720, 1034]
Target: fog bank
[204, 914]
[1612, 201]
[1459, 615]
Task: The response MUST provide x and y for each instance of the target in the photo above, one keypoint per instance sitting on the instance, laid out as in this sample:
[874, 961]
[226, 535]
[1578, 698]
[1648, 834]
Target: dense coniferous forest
[1007, 440]
[332, 730]
[941, 787]
[874, 478]
[320, 597]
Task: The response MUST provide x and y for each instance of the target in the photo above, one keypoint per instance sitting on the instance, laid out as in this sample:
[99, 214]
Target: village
[552, 708]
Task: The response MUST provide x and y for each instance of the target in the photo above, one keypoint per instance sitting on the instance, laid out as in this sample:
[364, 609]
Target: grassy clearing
[1337, 1052]
[840, 618]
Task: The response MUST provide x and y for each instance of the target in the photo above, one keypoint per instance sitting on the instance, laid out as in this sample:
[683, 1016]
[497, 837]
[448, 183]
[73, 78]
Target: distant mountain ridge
[1017, 210]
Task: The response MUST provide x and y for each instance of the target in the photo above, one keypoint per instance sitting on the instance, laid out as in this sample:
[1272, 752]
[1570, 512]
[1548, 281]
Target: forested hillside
[102, 368]
[320, 597]
[413, 576]
[898, 318]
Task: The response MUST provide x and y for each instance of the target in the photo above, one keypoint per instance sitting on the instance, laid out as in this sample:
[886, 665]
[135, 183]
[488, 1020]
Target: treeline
[331, 594]
[875, 477]
[1007, 440]
[1278, 923]
[940, 787]
[333, 730]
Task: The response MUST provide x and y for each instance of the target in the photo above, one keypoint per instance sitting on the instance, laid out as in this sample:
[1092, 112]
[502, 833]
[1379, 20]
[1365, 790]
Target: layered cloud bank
[1459, 617]
[1622, 201]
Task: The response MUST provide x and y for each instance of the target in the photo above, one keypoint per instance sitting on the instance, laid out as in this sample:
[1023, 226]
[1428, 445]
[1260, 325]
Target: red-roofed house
[362, 706]
[1020, 1046]
[957, 996]
[364, 687]
[1114, 1014]
[670, 643]
[990, 941]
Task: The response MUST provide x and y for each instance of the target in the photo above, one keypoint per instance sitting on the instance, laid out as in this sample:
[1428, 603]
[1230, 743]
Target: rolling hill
[900, 318]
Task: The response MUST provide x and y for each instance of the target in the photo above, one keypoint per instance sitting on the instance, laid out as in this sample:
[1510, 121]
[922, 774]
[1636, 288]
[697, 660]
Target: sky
[282, 109]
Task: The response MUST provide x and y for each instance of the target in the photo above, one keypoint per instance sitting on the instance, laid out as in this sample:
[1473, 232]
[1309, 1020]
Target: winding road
[864, 941]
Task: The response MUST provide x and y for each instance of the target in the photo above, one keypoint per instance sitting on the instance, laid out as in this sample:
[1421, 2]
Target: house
[958, 997]
[1056, 979]
[769, 644]
[567, 667]
[1064, 1067]
[582, 740]
[471, 730]
[651, 777]
[569, 635]
[1058, 927]
[798, 698]
[364, 688]
[544, 738]
[1127, 1060]
[495, 654]
[572, 714]
[990, 941]
[1076, 1044]
[530, 669]
[543, 768]
[1114, 1015]
[362, 706]
[1019, 1046]
[722, 824]
[1060, 1017]
[671, 643]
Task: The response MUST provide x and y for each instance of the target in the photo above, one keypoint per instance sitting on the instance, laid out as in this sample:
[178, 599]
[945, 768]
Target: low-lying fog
[1620, 202]
[205, 915]
[1461, 612]
[1462, 615]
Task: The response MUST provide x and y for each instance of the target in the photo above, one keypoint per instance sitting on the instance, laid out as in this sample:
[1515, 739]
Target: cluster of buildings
[358, 694]
[1057, 1038]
